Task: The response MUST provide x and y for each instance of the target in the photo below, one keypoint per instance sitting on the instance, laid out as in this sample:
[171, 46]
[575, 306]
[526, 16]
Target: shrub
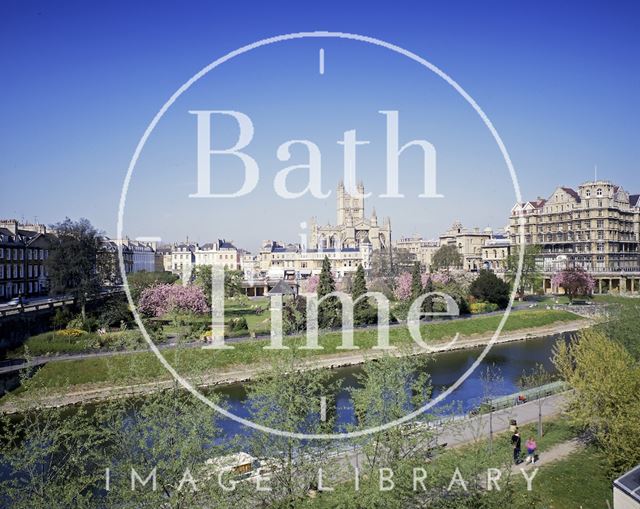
[490, 288]
[482, 307]
[73, 333]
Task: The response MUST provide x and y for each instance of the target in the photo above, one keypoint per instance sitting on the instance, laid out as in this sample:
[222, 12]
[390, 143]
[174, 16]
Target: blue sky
[81, 81]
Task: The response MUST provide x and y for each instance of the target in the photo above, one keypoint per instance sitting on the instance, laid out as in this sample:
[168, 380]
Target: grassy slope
[144, 366]
[579, 481]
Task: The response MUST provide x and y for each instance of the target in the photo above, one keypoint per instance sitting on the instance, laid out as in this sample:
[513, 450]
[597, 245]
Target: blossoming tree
[158, 300]
[575, 282]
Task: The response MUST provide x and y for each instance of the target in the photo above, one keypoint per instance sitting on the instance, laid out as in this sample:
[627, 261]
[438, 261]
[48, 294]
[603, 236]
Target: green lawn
[577, 482]
[56, 343]
[144, 366]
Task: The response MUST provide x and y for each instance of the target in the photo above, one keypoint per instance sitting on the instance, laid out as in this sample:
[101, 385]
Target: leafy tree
[389, 263]
[72, 262]
[605, 378]
[446, 257]
[47, 456]
[575, 282]
[530, 276]
[329, 309]
[623, 326]
[202, 278]
[388, 389]
[537, 377]
[490, 288]
[232, 283]
[115, 312]
[139, 281]
[289, 398]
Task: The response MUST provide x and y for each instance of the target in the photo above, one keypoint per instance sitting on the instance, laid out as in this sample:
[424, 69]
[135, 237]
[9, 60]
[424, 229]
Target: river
[508, 360]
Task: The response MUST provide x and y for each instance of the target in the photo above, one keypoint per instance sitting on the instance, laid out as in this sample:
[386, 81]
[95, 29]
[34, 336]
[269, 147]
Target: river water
[508, 360]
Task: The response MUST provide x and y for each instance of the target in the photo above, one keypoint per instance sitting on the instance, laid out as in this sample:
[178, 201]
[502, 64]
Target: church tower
[350, 209]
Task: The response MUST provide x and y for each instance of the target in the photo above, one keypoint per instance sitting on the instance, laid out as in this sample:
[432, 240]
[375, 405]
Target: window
[599, 192]
[588, 193]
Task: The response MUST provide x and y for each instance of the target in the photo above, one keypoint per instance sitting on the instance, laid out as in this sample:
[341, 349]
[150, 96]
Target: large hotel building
[596, 227]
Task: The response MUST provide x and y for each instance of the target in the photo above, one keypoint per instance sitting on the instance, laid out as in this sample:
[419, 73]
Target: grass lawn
[56, 343]
[577, 482]
[144, 366]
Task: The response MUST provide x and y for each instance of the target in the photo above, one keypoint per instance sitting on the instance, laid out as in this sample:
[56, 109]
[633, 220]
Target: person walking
[531, 450]
[516, 442]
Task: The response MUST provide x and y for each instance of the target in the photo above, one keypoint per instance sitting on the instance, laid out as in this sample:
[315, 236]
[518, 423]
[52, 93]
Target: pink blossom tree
[402, 291]
[311, 284]
[159, 300]
[575, 282]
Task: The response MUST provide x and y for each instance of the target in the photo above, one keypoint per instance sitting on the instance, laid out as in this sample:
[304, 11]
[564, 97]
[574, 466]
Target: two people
[532, 446]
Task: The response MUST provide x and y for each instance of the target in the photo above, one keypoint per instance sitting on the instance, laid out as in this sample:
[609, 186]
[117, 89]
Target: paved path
[466, 430]
[558, 452]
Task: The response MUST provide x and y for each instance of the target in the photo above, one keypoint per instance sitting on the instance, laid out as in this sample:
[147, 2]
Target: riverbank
[147, 375]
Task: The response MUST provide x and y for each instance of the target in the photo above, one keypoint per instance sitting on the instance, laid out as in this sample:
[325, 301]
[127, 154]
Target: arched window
[588, 194]
[599, 192]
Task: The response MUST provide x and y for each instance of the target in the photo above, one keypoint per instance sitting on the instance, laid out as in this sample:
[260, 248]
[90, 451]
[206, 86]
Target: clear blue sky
[81, 81]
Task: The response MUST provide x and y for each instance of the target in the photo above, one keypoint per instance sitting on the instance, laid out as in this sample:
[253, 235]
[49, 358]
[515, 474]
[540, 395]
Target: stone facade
[24, 249]
[596, 227]
[352, 228]
[469, 244]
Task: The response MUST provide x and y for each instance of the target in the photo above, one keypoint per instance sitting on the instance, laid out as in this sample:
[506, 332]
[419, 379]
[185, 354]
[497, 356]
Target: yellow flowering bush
[74, 333]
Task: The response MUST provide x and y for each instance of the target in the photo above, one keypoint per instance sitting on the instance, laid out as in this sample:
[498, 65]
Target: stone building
[352, 227]
[596, 227]
[220, 253]
[469, 244]
[422, 250]
[24, 249]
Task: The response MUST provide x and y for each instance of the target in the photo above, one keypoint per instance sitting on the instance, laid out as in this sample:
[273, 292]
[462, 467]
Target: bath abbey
[352, 227]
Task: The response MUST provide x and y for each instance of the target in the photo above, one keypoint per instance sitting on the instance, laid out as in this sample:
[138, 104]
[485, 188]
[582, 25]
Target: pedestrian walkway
[556, 453]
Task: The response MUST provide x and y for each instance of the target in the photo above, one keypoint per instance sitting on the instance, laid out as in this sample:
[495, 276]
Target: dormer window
[588, 193]
[599, 192]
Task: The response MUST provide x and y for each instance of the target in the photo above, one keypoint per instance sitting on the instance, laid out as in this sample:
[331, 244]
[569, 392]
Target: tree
[416, 282]
[606, 379]
[490, 288]
[202, 278]
[162, 299]
[73, 261]
[403, 284]
[294, 315]
[289, 398]
[530, 276]
[575, 282]
[138, 281]
[427, 305]
[232, 283]
[623, 326]
[47, 455]
[536, 377]
[328, 311]
[167, 432]
[446, 257]
[363, 312]
[389, 263]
